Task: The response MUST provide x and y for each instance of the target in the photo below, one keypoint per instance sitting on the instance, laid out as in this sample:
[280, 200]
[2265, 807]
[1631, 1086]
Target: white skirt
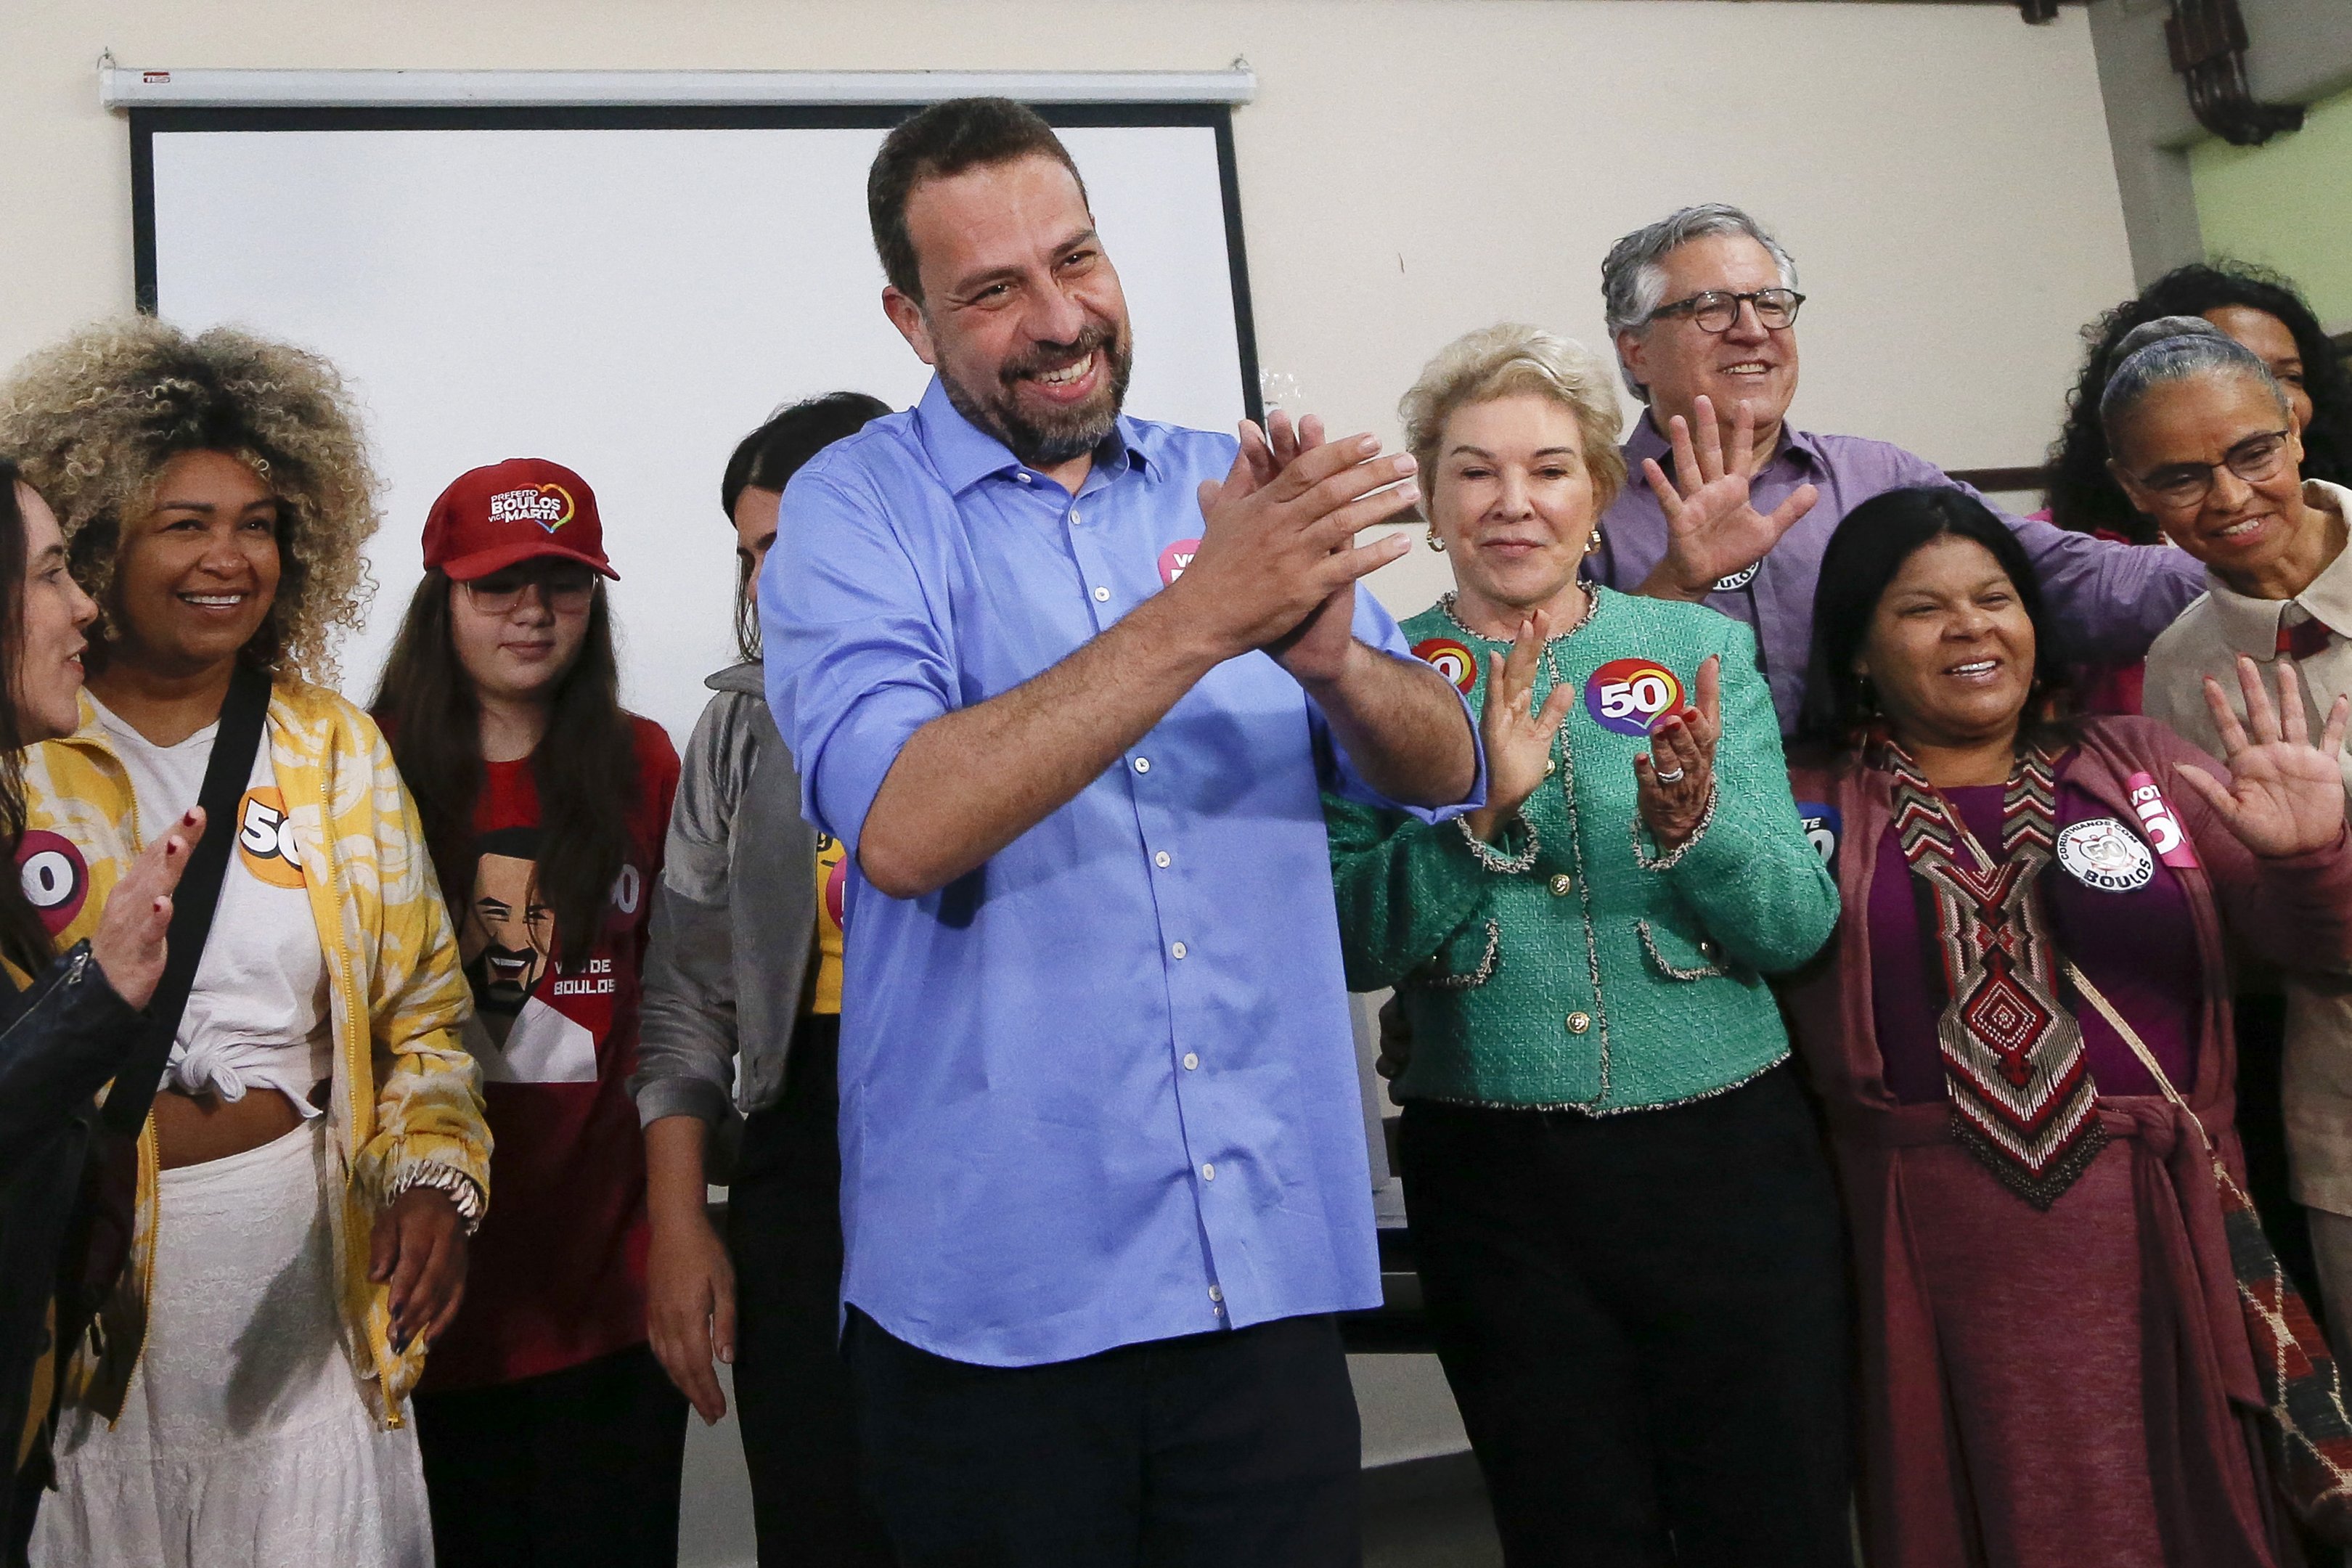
[245, 1438]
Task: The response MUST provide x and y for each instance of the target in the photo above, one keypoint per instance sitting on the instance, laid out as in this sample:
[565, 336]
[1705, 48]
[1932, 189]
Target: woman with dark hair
[2261, 310]
[737, 1076]
[2032, 956]
[315, 1156]
[549, 1432]
[64, 1022]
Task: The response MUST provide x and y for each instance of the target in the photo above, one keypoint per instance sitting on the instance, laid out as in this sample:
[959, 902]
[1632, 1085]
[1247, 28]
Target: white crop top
[258, 1015]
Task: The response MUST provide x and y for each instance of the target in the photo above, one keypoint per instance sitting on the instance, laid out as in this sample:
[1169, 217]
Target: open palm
[1712, 529]
[2285, 795]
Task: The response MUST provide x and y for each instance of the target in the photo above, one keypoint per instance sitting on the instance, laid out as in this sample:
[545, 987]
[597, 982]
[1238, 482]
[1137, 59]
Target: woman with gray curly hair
[316, 1153]
[1622, 1217]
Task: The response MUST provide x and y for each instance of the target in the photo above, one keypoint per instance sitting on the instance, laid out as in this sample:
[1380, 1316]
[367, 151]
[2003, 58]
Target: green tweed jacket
[1602, 977]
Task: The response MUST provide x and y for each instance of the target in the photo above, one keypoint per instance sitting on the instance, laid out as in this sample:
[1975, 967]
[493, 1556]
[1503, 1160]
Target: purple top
[2138, 948]
[2111, 599]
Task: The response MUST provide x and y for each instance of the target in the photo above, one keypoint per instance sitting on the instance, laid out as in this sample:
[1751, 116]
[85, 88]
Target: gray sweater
[733, 919]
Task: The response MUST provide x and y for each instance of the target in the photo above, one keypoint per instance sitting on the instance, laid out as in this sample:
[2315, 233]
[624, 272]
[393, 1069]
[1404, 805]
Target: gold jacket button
[1561, 884]
[1551, 767]
[1579, 1022]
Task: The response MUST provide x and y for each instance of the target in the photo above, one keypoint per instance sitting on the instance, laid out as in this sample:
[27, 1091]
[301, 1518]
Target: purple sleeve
[2111, 599]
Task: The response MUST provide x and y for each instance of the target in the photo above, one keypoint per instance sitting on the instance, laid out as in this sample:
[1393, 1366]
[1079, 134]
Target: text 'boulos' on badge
[2158, 822]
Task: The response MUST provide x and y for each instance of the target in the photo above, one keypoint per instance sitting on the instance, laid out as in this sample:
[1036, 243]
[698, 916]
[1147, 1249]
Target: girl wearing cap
[316, 1155]
[548, 1429]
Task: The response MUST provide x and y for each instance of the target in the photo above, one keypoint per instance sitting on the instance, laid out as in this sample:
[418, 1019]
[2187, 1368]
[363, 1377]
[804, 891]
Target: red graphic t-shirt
[557, 1273]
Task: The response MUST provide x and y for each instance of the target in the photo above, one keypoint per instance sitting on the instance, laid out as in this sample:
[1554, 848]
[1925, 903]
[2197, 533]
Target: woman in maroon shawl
[2053, 1368]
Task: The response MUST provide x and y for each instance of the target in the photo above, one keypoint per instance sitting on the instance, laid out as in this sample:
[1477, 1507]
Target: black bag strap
[235, 745]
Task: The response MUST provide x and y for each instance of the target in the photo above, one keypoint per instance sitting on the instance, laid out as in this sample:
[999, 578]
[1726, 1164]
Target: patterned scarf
[2023, 1099]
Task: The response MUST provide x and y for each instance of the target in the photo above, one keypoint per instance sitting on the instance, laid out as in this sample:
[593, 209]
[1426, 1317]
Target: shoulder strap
[2115, 1021]
[234, 746]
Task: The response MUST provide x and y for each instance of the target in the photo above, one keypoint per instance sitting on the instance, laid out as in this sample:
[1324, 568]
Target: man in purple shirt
[1701, 306]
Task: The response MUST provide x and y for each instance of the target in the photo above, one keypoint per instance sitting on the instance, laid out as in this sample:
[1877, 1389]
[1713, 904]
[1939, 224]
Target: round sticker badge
[1625, 696]
[1175, 558]
[1450, 659]
[2103, 853]
[265, 839]
[1736, 580]
[56, 878]
[1823, 824]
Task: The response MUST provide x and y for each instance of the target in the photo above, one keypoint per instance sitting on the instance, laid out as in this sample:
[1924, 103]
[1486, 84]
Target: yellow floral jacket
[405, 1091]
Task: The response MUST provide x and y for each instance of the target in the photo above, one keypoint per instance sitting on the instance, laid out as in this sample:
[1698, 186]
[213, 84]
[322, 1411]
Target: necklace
[2015, 1068]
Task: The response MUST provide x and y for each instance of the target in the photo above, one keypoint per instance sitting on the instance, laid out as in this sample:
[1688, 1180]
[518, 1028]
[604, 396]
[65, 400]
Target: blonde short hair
[1510, 361]
[94, 419]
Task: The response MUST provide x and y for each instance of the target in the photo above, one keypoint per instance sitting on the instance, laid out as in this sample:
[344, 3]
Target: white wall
[1412, 168]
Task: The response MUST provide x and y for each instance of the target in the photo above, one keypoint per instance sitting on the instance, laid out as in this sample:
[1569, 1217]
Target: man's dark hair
[1864, 555]
[768, 459]
[939, 143]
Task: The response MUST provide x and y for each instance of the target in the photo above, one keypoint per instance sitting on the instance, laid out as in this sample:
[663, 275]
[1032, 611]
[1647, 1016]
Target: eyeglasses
[1715, 309]
[565, 591]
[2256, 460]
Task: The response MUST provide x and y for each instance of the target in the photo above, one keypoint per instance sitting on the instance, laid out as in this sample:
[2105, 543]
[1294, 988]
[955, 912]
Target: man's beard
[502, 978]
[1064, 433]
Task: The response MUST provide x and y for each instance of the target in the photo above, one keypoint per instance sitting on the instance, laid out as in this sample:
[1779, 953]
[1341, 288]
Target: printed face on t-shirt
[507, 936]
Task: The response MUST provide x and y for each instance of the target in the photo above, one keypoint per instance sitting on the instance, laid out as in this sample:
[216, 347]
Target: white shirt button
[1023, 477]
[1102, 595]
[1190, 1061]
[1143, 764]
[1177, 948]
[1208, 1172]
[1161, 859]
[1075, 520]
[1215, 1294]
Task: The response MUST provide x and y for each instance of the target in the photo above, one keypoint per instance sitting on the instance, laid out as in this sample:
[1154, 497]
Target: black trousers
[791, 1387]
[575, 1467]
[1644, 1321]
[1230, 1450]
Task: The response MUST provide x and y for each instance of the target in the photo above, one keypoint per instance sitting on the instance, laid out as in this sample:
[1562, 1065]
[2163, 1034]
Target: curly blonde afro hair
[94, 419]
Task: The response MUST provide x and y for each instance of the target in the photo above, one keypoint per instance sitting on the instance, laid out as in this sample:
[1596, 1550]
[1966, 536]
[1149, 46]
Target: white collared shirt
[2206, 640]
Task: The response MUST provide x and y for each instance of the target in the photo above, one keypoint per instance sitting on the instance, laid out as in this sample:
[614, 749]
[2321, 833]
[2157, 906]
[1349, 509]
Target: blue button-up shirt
[1102, 1089]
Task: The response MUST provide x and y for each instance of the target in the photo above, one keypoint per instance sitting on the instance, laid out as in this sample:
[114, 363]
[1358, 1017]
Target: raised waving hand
[2285, 795]
[1712, 530]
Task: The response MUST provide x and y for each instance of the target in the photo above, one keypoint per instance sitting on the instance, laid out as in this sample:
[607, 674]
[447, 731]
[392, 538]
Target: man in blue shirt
[1066, 684]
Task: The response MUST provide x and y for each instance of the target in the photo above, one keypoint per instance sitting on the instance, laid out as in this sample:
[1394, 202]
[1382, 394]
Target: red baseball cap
[519, 509]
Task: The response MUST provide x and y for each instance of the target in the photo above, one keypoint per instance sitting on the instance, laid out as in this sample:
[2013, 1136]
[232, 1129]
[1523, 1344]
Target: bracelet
[460, 1188]
[1494, 859]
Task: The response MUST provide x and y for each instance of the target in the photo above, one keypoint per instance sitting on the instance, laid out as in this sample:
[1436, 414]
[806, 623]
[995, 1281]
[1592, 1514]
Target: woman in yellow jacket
[317, 1154]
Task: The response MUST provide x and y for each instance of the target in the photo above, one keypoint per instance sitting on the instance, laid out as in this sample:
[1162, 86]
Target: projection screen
[628, 292]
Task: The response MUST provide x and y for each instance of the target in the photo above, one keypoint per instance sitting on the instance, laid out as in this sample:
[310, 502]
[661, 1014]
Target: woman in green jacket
[1628, 1239]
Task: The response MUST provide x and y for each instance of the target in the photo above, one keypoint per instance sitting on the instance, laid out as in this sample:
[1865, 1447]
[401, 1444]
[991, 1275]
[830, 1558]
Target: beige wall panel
[1412, 168]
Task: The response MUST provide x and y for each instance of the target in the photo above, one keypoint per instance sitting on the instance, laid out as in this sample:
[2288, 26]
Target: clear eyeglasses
[1715, 309]
[2257, 459]
[566, 592]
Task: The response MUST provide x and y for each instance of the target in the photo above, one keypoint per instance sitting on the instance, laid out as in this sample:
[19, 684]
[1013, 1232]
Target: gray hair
[1506, 361]
[1634, 278]
[2174, 348]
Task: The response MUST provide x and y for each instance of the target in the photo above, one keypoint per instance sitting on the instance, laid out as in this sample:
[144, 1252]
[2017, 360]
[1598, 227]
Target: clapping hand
[1712, 531]
[2285, 795]
[1518, 737]
[1672, 784]
[1277, 564]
